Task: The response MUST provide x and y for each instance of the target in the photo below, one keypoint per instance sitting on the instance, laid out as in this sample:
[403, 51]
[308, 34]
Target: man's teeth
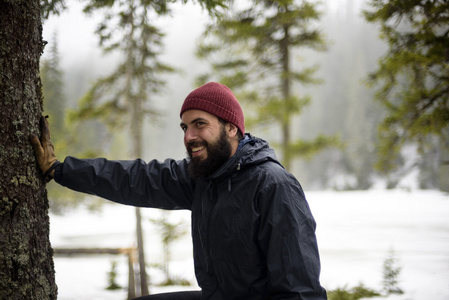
[197, 149]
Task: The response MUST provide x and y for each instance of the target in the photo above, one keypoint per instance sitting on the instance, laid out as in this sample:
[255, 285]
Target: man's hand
[45, 151]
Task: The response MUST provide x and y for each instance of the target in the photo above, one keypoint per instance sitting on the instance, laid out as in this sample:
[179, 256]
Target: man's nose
[190, 135]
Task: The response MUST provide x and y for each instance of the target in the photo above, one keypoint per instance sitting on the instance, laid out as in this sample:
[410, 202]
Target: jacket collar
[251, 151]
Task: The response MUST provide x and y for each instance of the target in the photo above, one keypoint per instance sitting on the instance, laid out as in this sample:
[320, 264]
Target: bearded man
[252, 229]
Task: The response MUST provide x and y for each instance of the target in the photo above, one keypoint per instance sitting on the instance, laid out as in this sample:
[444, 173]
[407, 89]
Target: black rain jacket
[253, 232]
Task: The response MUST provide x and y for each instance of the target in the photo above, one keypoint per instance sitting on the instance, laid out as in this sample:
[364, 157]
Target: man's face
[206, 141]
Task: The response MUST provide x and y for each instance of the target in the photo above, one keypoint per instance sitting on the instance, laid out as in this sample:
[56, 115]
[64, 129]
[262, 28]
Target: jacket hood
[255, 151]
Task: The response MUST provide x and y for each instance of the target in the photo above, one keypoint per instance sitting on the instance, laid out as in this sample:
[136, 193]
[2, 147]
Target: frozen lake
[355, 230]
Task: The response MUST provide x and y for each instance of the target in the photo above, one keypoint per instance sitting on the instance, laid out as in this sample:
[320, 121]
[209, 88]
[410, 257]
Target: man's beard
[217, 154]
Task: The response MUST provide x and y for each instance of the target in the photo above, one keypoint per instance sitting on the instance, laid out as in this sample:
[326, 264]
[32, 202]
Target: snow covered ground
[355, 230]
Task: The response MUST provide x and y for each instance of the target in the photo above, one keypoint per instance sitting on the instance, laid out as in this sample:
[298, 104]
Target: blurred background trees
[251, 49]
[367, 76]
[66, 134]
[170, 231]
[412, 82]
[121, 99]
[328, 94]
[343, 105]
[270, 55]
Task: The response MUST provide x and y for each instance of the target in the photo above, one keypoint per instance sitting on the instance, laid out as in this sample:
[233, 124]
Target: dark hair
[239, 133]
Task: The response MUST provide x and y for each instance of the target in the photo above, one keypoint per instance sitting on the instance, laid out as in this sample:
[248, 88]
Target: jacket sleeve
[155, 184]
[288, 241]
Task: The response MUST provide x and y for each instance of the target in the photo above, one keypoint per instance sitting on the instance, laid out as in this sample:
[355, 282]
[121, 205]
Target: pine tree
[65, 135]
[123, 97]
[391, 272]
[251, 50]
[53, 90]
[413, 76]
[343, 105]
[112, 277]
[170, 232]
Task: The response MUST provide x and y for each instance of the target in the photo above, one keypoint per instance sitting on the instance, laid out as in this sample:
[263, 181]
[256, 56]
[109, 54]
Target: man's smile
[197, 150]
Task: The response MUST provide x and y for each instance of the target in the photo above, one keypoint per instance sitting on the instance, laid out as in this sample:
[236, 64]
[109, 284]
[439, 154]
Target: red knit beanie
[217, 99]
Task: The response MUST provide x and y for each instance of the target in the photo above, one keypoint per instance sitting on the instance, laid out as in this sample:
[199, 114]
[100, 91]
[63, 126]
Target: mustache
[195, 144]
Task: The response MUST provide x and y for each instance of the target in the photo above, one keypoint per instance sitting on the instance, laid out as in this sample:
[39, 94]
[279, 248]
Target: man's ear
[232, 130]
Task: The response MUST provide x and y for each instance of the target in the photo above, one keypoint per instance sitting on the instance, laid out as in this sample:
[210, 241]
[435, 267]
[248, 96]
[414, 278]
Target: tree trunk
[136, 133]
[285, 89]
[26, 256]
[136, 151]
[444, 163]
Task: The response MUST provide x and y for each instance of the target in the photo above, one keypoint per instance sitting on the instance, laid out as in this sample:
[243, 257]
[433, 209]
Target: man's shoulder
[271, 172]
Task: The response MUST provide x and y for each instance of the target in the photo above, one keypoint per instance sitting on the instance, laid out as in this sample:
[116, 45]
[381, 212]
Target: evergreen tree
[64, 134]
[391, 272]
[343, 104]
[123, 97]
[251, 52]
[49, 7]
[413, 76]
[53, 90]
[170, 232]
[112, 277]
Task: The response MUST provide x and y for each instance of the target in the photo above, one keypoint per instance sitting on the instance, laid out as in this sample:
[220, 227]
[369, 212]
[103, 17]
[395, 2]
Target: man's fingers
[45, 132]
[35, 142]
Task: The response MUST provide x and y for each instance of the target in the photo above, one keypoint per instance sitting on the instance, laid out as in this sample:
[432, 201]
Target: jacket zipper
[213, 207]
[229, 179]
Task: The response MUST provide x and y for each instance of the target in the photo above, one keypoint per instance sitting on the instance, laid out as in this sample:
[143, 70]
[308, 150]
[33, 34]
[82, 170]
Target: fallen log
[74, 251]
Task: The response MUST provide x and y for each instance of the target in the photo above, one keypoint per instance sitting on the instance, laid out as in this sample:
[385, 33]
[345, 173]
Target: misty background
[342, 105]
[355, 229]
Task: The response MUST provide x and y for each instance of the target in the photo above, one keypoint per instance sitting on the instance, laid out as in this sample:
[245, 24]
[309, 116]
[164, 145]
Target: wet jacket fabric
[253, 232]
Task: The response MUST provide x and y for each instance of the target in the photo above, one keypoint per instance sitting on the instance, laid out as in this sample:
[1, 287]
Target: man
[252, 229]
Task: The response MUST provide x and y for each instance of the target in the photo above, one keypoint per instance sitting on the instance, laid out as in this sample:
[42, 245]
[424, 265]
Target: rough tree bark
[26, 256]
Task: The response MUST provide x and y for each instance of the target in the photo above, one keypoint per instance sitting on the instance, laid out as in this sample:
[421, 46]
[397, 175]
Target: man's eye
[184, 129]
